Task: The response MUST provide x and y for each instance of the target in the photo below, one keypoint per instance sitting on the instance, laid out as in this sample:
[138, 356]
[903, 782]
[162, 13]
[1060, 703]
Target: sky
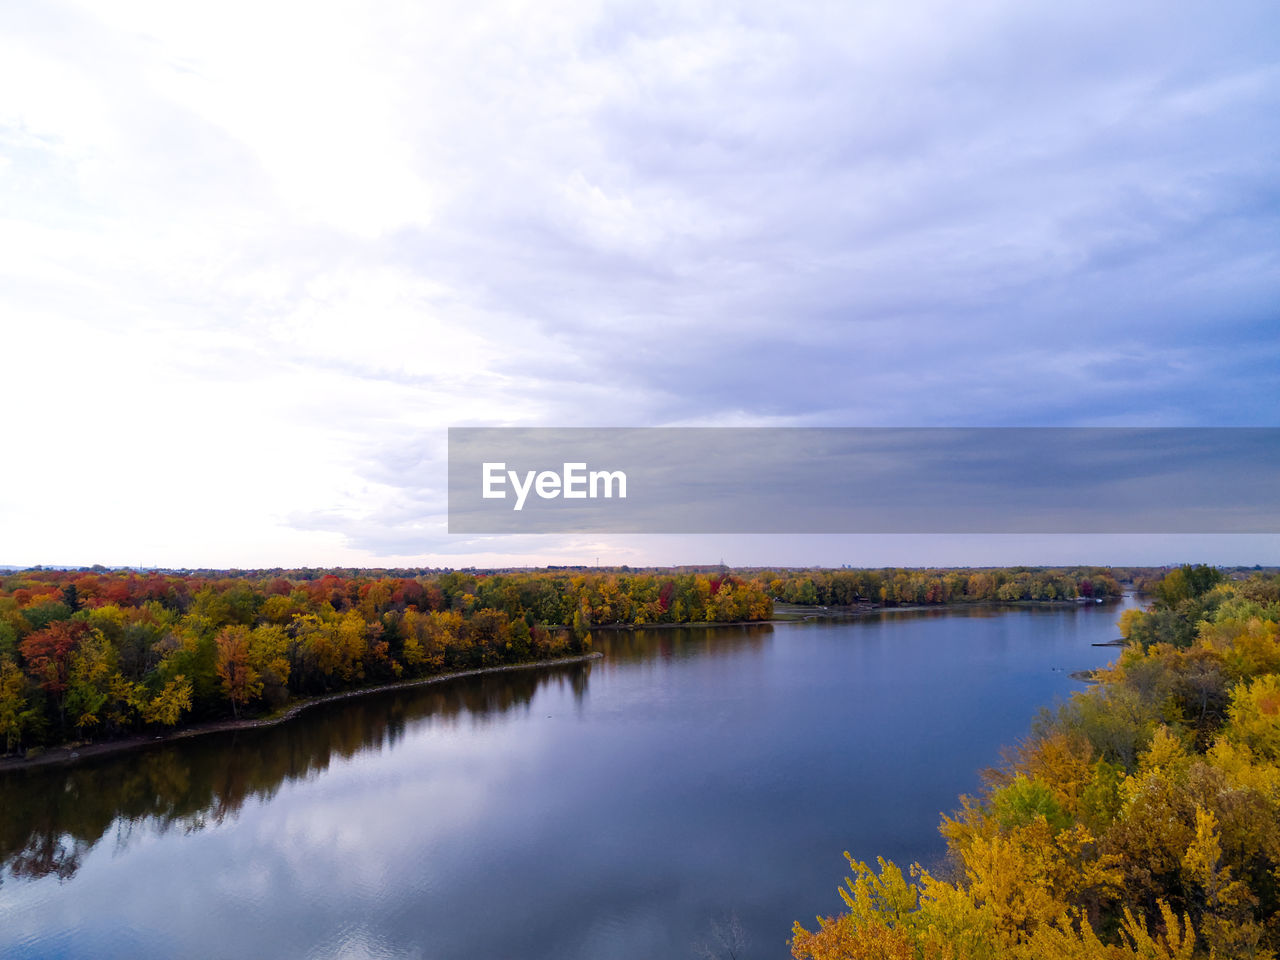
[256, 258]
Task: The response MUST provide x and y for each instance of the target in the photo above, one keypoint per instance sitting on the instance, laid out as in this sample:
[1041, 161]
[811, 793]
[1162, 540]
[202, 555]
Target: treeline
[99, 654]
[1141, 819]
[896, 587]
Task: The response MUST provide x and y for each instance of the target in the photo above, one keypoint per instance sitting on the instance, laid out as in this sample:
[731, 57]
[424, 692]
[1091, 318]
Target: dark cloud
[985, 209]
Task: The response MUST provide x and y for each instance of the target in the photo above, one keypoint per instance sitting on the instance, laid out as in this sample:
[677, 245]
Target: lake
[638, 806]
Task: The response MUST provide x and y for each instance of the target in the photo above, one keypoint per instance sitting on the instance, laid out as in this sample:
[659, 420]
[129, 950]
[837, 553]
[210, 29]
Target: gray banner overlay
[864, 480]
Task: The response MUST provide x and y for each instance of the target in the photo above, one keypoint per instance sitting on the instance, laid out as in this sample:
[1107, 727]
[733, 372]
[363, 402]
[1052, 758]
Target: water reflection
[644, 643]
[980, 611]
[53, 816]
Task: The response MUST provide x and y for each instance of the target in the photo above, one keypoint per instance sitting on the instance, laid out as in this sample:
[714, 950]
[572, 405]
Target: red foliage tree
[47, 655]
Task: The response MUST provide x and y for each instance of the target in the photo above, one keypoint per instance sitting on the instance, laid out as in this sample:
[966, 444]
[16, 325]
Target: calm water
[616, 809]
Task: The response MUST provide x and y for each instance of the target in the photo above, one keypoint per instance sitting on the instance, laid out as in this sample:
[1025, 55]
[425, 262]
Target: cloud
[259, 258]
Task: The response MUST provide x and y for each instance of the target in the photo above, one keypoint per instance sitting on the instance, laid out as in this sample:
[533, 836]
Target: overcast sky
[255, 258]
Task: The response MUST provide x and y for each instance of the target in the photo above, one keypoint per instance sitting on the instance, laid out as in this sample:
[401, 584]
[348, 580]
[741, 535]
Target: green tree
[17, 715]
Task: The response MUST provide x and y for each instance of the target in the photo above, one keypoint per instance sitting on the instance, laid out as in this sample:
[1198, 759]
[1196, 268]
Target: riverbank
[792, 612]
[76, 753]
[799, 613]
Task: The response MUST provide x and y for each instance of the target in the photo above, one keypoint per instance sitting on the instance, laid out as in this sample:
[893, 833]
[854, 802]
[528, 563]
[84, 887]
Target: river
[696, 785]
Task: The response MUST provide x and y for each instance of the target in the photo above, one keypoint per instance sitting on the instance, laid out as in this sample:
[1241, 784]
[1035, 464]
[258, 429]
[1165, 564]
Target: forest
[98, 654]
[1139, 820]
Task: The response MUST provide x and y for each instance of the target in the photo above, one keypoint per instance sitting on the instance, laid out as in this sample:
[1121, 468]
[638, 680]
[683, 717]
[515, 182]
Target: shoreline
[814, 612]
[687, 623]
[857, 609]
[68, 755]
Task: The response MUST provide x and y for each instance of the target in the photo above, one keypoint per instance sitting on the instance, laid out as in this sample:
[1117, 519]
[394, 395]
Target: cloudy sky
[255, 258]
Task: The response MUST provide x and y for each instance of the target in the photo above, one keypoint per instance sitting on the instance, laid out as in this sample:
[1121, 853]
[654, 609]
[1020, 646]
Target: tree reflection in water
[53, 816]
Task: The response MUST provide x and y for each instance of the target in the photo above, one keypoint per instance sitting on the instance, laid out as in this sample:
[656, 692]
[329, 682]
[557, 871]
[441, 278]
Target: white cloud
[256, 258]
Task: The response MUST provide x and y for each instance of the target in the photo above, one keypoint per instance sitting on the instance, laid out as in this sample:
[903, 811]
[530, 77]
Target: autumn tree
[168, 705]
[47, 654]
[98, 694]
[240, 681]
[17, 715]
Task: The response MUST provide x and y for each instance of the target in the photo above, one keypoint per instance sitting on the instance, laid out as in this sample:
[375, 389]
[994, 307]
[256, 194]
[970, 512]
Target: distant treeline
[893, 587]
[94, 654]
[1140, 820]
